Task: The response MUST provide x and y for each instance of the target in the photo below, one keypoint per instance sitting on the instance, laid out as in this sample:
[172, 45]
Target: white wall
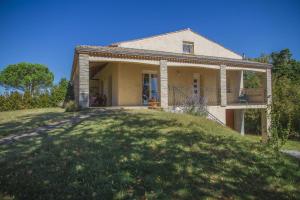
[219, 112]
[172, 42]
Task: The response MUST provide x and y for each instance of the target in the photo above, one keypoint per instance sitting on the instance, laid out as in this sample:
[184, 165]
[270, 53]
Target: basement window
[188, 47]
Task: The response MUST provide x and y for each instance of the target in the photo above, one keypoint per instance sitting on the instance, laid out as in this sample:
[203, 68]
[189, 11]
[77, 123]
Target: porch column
[223, 87]
[83, 87]
[265, 125]
[163, 84]
[241, 82]
[268, 86]
[239, 121]
[266, 113]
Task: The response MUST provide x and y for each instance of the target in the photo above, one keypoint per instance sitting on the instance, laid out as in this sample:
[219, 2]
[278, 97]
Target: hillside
[140, 154]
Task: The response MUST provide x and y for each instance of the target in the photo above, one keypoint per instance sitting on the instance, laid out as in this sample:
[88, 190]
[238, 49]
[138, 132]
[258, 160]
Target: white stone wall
[223, 87]
[164, 84]
[83, 87]
[172, 42]
[219, 112]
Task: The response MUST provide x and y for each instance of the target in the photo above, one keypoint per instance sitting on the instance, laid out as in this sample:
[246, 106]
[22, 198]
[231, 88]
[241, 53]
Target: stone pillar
[163, 84]
[84, 76]
[266, 113]
[241, 82]
[265, 124]
[268, 86]
[239, 121]
[223, 87]
[76, 87]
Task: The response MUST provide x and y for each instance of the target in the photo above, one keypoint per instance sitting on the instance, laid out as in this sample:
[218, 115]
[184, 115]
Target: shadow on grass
[121, 155]
[30, 122]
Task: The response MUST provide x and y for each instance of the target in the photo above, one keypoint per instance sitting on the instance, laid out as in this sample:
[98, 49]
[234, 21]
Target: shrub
[59, 92]
[17, 101]
[71, 106]
[55, 96]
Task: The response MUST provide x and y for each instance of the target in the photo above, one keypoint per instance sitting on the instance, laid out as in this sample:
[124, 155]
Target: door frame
[196, 76]
[149, 72]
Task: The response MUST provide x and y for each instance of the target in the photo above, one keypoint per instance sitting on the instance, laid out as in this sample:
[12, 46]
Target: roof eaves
[165, 55]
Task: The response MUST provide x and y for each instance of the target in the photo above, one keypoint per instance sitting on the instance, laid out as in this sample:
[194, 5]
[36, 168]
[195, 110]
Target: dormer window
[188, 47]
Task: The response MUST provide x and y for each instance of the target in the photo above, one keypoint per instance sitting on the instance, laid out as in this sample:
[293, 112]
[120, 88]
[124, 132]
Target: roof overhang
[141, 54]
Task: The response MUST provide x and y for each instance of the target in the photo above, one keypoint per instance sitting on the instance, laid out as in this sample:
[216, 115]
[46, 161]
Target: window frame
[190, 44]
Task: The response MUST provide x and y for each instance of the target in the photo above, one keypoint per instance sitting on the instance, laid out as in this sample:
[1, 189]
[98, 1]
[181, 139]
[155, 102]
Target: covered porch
[117, 83]
[111, 76]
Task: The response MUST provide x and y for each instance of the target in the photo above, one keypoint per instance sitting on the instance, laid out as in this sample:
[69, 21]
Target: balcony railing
[246, 96]
[211, 95]
[178, 95]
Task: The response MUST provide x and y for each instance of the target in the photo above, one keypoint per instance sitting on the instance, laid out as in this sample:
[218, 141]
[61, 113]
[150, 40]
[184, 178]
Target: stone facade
[269, 86]
[83, 74]
[264, 125]
[266, 114]
[164, 84]
[121, 82]
[223, 87]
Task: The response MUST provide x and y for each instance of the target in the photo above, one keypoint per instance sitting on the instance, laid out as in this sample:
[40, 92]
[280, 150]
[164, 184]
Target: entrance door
[230, 118]
[196, 84]
[150, 88]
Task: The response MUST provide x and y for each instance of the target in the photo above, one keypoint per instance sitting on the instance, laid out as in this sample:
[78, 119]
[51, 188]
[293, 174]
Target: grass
[289, 145]
[144, 155]
[20, 121]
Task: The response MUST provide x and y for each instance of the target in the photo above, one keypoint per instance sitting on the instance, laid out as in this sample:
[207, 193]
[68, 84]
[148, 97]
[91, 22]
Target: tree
[26, 77]
[286, 94]
[285, 113]
[59, 92]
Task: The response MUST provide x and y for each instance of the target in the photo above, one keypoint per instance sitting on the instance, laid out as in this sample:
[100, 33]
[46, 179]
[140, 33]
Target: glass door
[150, 88]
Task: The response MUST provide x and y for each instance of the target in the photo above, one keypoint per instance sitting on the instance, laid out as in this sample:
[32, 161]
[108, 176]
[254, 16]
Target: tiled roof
[121, 52]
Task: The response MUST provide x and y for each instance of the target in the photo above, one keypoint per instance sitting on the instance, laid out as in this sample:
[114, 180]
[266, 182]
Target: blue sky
[46, 32]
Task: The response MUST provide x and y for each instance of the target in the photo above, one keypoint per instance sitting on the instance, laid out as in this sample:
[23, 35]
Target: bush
[71, 106]
[53, 97]
[17, 101]
[59, 93]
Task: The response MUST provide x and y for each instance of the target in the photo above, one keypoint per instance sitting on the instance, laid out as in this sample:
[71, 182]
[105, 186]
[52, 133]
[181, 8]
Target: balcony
[206, 95]
[246, 96]
[211, 96]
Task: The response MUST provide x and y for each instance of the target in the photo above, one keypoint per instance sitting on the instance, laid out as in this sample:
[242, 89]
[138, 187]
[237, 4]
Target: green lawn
[141, 155]
[20, 121]
[289, 145]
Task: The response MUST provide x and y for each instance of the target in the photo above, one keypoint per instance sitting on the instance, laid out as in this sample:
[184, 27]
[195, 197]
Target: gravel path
[292, 153]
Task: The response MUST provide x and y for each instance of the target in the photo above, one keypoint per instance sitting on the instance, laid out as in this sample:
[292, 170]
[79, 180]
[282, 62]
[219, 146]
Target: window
[188, 47]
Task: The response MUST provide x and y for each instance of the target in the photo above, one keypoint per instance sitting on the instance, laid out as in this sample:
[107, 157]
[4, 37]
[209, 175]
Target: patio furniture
[243, 98]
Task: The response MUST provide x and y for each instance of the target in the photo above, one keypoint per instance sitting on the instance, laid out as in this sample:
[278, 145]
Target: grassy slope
[145, 154]
[289, 145]
[20, 121]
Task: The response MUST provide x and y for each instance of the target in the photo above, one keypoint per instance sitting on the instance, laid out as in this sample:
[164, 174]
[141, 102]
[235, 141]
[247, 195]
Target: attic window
[188, 47]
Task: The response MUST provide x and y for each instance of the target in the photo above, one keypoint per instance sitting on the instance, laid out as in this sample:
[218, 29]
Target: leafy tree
[286, 94]
[59, 92]
[285, 113]
[26, 77]
[252, 80]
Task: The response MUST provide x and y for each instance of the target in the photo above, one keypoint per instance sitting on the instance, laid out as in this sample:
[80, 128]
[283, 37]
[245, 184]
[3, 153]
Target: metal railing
[246, 96]
[177, 95]
[184, 100]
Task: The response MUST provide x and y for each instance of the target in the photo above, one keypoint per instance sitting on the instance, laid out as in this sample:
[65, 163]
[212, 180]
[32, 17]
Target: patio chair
[243, 98]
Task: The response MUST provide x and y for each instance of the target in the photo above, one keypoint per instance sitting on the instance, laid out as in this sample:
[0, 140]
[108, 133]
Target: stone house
[169, 68]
